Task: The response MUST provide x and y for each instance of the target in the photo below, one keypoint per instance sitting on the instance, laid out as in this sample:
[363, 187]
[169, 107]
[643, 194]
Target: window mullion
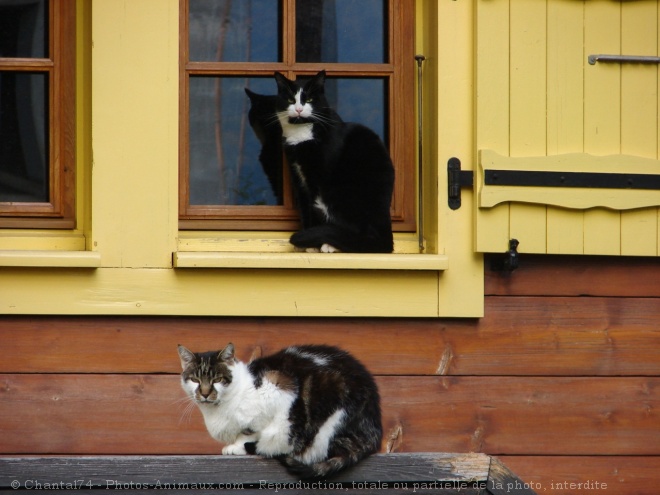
[289, 32]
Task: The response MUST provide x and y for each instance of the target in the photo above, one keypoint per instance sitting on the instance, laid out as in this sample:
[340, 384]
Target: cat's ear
[187, 357]
[284, 85]
[281, 80]
[316, 84]
[227, 354]
[251, 94]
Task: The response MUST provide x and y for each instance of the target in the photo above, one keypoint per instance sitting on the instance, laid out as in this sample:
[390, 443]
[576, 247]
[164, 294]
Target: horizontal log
[603, 276]
[378, 471]
[148, 414]
[562, 475]
[517, 336]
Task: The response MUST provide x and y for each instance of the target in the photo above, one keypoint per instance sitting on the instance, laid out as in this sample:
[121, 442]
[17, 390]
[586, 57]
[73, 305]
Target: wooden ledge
[428, 473]
[50, 259]
[323, 261]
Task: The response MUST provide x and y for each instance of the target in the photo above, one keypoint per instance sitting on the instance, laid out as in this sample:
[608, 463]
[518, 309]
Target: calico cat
[315, 408]
[267, 128]
[342, 174]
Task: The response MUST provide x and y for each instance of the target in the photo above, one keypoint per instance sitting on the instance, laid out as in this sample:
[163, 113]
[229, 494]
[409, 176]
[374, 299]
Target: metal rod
[629, 59]
[420, 152]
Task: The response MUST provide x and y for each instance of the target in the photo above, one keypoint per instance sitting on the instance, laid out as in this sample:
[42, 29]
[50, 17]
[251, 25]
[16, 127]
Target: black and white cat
[342, 174]
[315, 408]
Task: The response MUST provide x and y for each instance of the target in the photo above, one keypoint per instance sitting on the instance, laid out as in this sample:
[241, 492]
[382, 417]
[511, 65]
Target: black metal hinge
[591, 180]
[457, 178]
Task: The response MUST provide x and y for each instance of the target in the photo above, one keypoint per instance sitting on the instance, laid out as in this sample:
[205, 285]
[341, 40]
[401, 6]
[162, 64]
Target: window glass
[360, 100]
[229, 45]
[345, 31]
[24, 166]
[231, 31]
[224, 151]
[23, 28]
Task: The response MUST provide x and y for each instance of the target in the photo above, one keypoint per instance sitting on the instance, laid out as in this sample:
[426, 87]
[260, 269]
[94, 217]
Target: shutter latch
[508, 261]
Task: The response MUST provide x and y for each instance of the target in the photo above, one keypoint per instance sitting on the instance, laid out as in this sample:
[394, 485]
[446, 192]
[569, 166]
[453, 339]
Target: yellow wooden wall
[538, 96]
[127, 255]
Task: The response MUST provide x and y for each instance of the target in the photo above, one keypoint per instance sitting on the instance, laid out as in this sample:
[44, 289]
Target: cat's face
[206, 376]
[300, 104]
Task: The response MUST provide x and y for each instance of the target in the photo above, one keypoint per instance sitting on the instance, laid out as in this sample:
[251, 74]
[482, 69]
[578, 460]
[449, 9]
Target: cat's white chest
[295, 133]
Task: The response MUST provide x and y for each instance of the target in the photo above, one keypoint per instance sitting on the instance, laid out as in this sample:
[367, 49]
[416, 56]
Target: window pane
[23, 28]
[361, 100]
[343, 31]
[231, 31]
[23, 137]
[224, 151]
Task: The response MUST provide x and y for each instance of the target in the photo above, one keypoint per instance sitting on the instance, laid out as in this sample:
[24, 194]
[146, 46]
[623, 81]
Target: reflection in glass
[234, 31]
[224, 151]
[23, 137]
[343, 31]
[23, 28]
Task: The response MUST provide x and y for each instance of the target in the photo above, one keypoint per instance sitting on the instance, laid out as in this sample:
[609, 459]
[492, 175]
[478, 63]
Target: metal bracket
[457, 178]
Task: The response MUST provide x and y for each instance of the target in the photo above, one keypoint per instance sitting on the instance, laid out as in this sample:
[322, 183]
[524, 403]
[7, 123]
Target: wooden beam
[432, 473]
[577, 276]
[554, 336]
[74, 414]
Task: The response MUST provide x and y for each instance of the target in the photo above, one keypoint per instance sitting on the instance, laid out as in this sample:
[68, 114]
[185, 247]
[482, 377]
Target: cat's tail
[343, 239]
[317, 470]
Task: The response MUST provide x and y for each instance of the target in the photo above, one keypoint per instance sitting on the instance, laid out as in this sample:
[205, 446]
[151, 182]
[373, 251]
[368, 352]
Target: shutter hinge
[457, 178]
[591, 180]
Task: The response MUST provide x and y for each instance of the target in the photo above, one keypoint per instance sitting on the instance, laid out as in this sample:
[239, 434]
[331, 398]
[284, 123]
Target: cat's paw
[234, 449]
[312, 250]
[327, 248]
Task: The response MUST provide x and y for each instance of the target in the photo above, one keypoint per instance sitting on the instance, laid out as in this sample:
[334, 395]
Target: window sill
[50, 259]
[323, 261]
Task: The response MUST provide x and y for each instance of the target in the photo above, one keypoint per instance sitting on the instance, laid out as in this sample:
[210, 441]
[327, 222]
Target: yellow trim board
[343, 261]
[231, 292]
[53, 259]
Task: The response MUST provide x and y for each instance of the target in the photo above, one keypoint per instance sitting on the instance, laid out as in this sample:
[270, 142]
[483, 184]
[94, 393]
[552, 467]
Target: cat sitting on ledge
[342, 173]
[314, 408]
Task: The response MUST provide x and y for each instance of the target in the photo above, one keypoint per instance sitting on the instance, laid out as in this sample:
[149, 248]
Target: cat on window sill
[342, 174]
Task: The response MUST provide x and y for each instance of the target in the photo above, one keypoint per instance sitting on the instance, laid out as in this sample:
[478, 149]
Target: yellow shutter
[541, 106]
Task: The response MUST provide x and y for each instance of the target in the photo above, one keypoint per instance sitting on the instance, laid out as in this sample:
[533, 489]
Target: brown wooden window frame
[59, 211]
[399, 72]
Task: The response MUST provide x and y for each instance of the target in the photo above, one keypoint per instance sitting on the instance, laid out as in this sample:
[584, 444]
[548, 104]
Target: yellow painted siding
[537, 96]
[135, 131]
[127, 255]
[455, 137]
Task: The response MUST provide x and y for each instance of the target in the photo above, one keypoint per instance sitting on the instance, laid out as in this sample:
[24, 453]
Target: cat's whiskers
[323, 120]
[189, 406]
[271, 120]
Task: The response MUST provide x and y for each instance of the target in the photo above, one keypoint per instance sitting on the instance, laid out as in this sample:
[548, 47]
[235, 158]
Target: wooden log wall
[560, 379]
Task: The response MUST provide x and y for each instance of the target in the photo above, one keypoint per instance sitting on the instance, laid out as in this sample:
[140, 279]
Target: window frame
[59, 211]
[399, 72]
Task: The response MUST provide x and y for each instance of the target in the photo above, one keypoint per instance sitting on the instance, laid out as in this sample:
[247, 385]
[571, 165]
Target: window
[37, 113]
[365, 46]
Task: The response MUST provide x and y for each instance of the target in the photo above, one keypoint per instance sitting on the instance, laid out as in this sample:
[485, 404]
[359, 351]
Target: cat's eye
[292, 101]
[194, 380]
